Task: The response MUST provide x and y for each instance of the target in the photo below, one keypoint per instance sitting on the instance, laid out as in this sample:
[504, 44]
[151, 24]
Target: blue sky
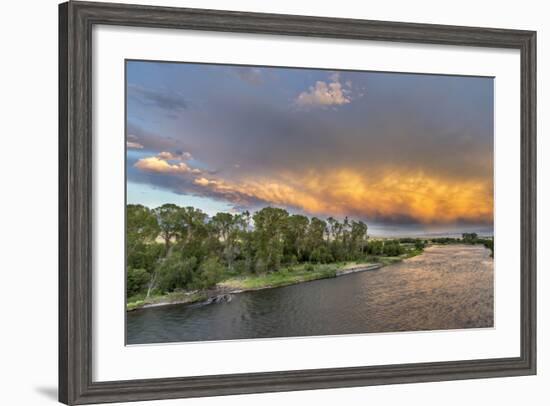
[399, 151]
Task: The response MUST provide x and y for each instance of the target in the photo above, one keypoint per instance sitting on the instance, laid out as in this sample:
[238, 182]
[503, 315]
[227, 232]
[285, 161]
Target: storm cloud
[395, 148]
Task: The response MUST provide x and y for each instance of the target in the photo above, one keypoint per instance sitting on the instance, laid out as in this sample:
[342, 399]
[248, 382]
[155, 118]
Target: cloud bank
[406, 149]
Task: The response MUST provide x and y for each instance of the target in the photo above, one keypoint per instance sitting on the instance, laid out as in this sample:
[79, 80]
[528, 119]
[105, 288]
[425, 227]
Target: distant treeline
[467, 238]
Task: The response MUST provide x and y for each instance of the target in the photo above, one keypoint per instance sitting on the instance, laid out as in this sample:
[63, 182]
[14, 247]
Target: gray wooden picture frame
[76, 20]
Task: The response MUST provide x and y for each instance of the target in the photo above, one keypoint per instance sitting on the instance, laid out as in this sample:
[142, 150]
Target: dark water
[447, 287]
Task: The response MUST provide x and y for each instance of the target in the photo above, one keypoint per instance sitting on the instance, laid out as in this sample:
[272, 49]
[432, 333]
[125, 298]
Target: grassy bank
[304, 273]
[139, 301]
[285, 276]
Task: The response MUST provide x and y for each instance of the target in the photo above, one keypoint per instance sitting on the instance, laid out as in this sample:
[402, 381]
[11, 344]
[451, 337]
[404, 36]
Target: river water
[447, 287]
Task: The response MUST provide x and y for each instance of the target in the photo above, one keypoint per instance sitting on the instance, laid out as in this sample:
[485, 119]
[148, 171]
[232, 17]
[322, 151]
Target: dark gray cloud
[153, 141]
[186, 184]
[262, 138]
[165, 99]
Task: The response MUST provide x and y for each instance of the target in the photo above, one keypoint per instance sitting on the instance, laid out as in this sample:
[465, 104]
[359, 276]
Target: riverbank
[284, 277]
[447, 287]
[177, 297]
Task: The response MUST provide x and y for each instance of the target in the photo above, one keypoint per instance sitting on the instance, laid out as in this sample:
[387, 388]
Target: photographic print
[270, 202]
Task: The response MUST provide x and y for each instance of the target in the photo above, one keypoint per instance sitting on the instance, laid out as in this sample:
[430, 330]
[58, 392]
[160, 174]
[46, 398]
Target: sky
[406, 153]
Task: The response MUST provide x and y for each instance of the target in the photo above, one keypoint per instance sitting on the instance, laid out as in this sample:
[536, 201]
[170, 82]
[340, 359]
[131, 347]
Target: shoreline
[224, 290]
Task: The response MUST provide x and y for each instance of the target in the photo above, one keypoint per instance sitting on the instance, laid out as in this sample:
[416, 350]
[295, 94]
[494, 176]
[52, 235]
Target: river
[446, 287]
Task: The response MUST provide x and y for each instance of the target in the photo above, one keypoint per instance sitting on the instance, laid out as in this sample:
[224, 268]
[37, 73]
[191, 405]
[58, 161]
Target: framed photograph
[256, 203]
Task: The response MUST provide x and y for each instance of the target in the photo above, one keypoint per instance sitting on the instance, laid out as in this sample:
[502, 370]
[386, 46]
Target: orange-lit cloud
[159, 165]
[388, 195]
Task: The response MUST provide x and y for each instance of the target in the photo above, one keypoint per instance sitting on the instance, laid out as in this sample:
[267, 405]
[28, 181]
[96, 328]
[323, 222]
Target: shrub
[293, 260]
[321, 255]
[209, 273]
[392, 248]
[175, 272]
[136, 280]
[375, 247]
[144, 256]
[419, 244]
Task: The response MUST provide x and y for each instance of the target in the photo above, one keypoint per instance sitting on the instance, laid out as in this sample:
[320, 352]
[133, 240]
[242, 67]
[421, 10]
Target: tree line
[173, 247]
[467, 238]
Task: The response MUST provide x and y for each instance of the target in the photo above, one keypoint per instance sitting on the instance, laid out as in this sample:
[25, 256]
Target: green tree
[168, 218]
[191, 224]
[419, 244]
[358, 239]
[294, 234]
[375, 247]
[336, 231]
[141, 225]
[331, 222]
[392, 248]
[136, 280]
[269, 224]
[247, 245]
[176, 272]
[228, 229]
[317, 246]
[346, 235]
[142, 252]
[144, 256]
[209, 273]
[470, 238]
